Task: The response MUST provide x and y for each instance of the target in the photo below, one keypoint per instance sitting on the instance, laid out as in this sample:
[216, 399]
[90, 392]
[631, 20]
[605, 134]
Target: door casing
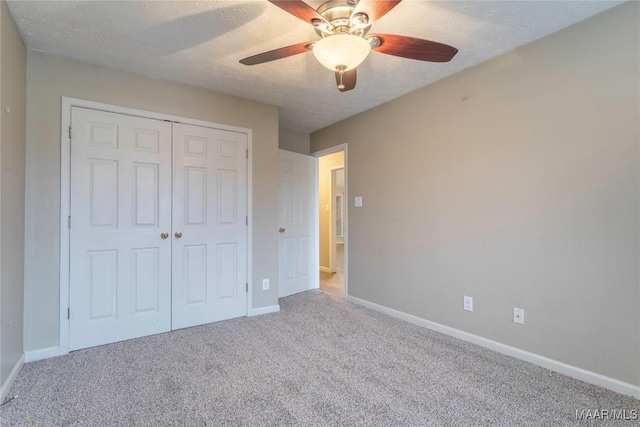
[333, 240]
[65, 197]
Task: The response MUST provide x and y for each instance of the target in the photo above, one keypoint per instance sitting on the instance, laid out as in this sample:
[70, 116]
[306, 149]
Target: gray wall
[515, 182]
[12, 158]
[48, 79]
[295, 141]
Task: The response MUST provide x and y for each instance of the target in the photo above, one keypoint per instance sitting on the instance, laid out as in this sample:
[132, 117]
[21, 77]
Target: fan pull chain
[341, 69]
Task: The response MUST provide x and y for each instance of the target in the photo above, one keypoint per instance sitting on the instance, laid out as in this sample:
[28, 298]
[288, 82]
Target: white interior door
[209, 225]
[297, 237]
[120, 266]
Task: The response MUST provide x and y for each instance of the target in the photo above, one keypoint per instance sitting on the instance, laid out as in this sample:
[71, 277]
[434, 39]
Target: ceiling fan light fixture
[341, 50]
[359, 20]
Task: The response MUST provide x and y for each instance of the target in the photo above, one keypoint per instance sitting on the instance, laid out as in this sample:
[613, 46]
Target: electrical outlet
[518, 315]
[265, 284]
[468, 303]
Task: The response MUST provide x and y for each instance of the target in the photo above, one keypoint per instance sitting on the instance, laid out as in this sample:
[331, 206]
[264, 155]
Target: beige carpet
[321, 361]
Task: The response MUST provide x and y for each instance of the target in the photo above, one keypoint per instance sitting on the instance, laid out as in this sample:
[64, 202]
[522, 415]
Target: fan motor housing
[338, 14]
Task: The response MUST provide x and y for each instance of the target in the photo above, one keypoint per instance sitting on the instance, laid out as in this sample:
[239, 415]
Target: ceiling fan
[345, 42]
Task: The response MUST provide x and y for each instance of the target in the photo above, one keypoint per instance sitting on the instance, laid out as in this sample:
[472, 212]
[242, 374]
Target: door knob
[282, 230]
[164, 235]
[178, 234]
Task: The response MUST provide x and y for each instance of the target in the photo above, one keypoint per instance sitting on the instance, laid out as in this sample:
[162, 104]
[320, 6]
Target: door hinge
[68, 312]
[246, 220]
[246, 289]
[69, 132]
[69, 222]
[247, 151]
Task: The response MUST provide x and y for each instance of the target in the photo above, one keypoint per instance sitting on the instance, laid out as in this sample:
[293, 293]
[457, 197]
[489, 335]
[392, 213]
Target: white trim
[330, 150]
[553, 365]
[250, 225]
[332, 225]
[264, 310]
[316, 222]
[110, 108]
[65, 212]
[43, 353]
[4, 390]
[345, 224]
[325, 269]
[65, 196]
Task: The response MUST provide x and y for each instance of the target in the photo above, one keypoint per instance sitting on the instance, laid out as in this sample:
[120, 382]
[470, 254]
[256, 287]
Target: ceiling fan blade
[412, 48]
[348, 79]
[375, 9]
[299, 9]
[272, 55]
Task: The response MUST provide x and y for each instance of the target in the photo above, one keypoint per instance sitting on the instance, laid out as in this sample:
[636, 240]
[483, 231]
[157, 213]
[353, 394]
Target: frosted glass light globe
[341, 50]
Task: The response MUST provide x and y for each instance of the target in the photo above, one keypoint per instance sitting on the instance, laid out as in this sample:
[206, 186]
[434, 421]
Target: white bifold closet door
[120, 266]
[210, 212]
[158, 237]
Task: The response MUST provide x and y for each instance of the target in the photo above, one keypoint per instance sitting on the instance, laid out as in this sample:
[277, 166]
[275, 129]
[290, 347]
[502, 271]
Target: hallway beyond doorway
[333, 283]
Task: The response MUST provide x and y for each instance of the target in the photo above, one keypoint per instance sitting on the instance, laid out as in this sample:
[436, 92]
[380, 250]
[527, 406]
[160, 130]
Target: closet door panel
[209, 224]
[120, 266]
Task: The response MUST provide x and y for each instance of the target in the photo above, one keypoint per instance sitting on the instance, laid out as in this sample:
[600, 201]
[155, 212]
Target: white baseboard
[43, 353]
[4, 388]
[264, 310]
[553, 365]
[325, 269]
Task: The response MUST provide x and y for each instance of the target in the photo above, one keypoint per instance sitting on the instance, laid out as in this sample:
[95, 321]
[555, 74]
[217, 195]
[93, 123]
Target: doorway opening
[332, 221]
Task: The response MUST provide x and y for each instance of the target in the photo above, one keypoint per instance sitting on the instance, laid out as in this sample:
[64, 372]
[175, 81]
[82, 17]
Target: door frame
[67, 104]
[333, 239]
[317, 154]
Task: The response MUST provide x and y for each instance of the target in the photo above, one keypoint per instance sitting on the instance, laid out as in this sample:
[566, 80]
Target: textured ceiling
[200, 43]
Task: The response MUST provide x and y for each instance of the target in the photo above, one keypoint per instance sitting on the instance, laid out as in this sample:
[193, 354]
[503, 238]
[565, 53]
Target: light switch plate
[358, 202]
[265, 284]
[468, 303]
